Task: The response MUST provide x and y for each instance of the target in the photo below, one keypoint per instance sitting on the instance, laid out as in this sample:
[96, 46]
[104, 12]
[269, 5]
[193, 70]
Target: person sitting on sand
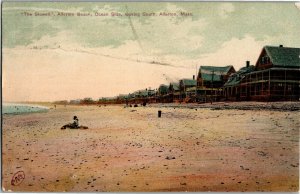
[75, 123]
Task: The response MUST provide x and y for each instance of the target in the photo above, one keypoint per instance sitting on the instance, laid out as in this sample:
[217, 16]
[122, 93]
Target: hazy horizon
[50, 58]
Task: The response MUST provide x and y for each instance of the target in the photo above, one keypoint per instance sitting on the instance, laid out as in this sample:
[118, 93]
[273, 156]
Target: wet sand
[131, 149]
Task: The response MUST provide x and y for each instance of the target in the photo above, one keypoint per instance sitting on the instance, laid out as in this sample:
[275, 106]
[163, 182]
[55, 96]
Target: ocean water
[12, 108]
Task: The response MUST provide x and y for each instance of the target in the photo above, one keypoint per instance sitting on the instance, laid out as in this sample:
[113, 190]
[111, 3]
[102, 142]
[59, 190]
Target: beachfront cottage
[232, 88]
[162, 93]
[130, 98]
[122, 98]
[77, 101]
[87, 101]
[162, 89]
[187, 89]
[173, 87]
[210, 81]
[174, 92]
[184, 84]
[107, 100]
[141, 96]
[214, 77]
[151, 96]
[276, 76]
[151, 93]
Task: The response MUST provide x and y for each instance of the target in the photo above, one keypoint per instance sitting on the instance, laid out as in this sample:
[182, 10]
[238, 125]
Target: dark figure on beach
[74, 125]
[75, 122]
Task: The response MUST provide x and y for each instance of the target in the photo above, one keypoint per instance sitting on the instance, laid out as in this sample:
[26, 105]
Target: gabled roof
[209, 73]
[141, 93]
[237, 77]
[108, 98]
[217, 70]
[283, 56]
[175, 86]
[189, 82]
[151, 92]
[123, 96]
[163, 88]
[131, 95]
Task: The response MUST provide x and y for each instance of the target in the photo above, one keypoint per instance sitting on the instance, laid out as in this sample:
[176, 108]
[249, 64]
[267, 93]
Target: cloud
[177, 39]
[225, 9]
[130, 51]
[167, 40]
[235, 52]
[77, 50]
[162, 38]
[186, 36]
[169, 36]
[297, 5]
[63, 39]
[259, 20]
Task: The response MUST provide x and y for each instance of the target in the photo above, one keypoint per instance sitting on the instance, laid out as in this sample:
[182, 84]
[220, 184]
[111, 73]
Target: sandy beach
[131, 149]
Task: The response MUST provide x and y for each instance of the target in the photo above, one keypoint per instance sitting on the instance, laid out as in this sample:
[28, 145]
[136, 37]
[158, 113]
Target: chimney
[281, 45]
[247, 63]
[193, 77]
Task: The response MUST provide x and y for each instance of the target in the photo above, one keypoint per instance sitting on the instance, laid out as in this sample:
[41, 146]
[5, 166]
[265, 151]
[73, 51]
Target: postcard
[150, 96]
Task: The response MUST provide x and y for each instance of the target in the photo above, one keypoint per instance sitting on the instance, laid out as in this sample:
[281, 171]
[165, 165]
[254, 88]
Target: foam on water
[13, 108]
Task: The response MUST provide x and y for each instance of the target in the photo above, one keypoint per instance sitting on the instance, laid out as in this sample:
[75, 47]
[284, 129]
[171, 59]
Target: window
[265, 60]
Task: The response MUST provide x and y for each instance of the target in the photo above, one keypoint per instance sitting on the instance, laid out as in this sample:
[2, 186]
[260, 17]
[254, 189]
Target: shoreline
[17, 108]
[285, 106]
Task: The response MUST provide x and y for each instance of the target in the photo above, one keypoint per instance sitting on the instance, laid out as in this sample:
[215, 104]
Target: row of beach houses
[274, 77]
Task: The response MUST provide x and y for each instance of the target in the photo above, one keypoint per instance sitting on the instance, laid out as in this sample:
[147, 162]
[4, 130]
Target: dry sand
[131, 149]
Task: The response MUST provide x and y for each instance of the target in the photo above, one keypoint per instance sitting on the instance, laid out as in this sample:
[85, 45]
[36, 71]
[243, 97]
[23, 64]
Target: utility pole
[212, 85]
[196, 76]
[212, 78]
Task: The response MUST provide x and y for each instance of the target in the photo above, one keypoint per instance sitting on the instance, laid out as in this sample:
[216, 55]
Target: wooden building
[210, 81]
[184, 89]
[142, 96]
[214, 77]
[231, 89]
[174, 92]
[275, 76]
[162, 93]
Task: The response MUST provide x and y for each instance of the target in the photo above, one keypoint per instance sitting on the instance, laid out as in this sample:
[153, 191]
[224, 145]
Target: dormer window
[265, 60]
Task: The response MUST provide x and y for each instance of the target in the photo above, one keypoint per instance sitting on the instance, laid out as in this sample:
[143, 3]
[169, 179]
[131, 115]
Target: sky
[49, 58]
